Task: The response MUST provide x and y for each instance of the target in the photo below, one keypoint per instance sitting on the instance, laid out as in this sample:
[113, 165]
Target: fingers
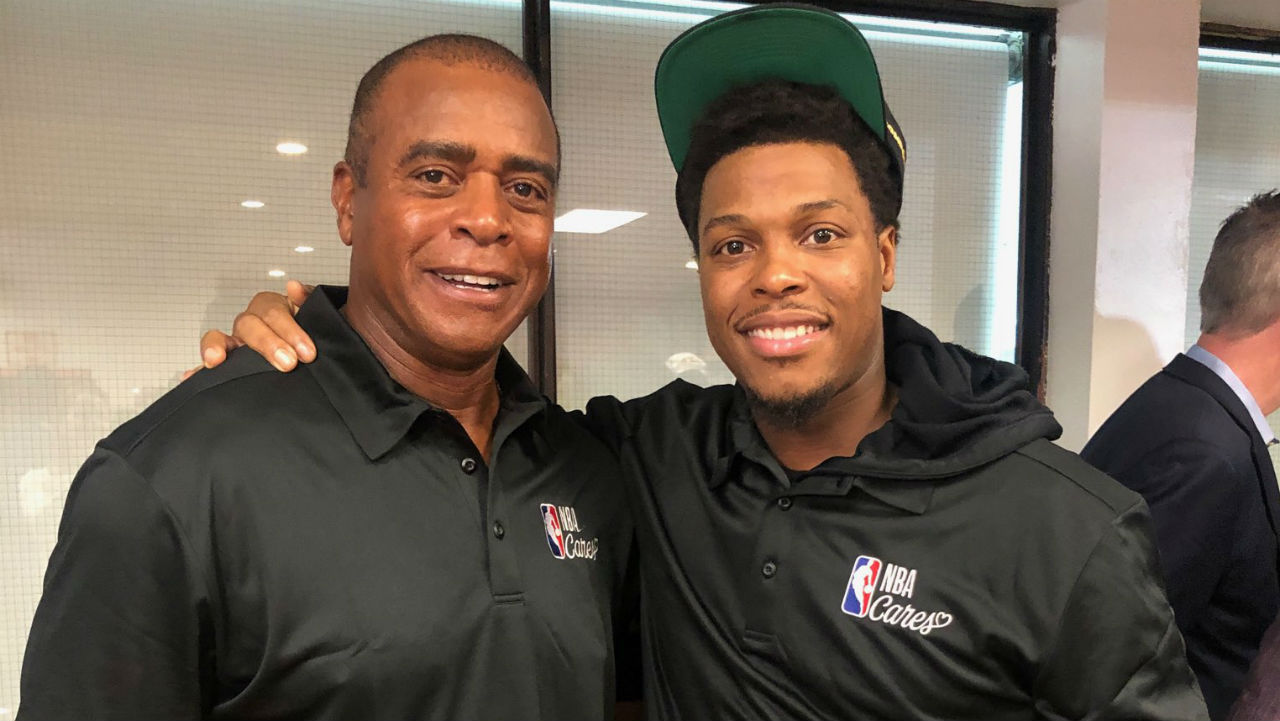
[276, 311]
[256, 334]
[214, 346]
[297, 292]
[191, 371]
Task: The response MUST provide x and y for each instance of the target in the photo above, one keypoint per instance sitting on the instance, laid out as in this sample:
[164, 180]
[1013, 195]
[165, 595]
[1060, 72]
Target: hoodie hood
[956, 410]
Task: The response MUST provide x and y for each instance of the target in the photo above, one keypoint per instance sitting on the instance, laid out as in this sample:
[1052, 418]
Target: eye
[822, 236]
[527, 190]
[434, 177]
[732, 247]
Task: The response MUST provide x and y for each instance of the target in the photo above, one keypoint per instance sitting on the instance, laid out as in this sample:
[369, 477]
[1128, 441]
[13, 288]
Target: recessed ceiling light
[291, 148]
[586, 220]
[303, 249]
[275, 273]
[251, 204]
[691, 265]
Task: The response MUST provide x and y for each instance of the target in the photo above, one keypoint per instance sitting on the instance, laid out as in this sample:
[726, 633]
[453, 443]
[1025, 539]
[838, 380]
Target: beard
[794, 410]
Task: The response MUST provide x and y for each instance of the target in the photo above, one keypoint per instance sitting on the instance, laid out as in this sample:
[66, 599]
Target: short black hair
[1240, 293]
[448, 49]
[782, 111]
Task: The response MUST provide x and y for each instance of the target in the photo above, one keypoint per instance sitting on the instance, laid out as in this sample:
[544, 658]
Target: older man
[404, 529]
[1193, 441]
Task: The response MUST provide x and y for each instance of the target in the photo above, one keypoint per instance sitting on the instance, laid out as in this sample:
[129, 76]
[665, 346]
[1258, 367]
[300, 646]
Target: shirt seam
[156, 423]
[1071, 478]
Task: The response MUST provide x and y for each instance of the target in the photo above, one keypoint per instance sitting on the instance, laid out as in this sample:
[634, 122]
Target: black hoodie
[957, 565]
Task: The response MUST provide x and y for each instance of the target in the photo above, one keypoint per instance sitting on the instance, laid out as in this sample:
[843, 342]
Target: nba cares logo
[560, 524]
[862, 586]
[884, 592]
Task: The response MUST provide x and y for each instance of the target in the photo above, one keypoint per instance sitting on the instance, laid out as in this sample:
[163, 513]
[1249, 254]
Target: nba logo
[555, 539]
[862, 586]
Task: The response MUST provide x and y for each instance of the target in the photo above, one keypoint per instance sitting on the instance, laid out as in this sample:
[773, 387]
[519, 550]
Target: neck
[1255, 359]
[836, 429]
[469, 394]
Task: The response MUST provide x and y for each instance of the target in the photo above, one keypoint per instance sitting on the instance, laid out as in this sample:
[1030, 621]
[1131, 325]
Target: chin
[791, 405]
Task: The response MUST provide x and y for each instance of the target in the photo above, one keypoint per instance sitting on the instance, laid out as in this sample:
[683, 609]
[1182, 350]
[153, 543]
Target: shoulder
[678, 404]
[1170, 406]
[216, 413]
[1068, 478]
[1048, 500]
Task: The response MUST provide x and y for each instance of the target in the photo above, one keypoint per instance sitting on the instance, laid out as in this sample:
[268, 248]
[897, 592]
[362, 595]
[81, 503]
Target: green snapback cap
[795, 42]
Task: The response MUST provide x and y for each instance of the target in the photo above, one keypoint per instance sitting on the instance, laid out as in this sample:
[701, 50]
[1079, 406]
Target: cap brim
[799, 43]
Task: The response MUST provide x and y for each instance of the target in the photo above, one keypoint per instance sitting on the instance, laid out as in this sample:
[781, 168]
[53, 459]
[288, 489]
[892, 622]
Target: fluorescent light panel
[588, 220]
[290, 147]
[1240, 56]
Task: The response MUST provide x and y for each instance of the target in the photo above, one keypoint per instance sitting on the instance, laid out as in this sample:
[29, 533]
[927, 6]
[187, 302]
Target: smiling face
[792, 270]
[450, 234]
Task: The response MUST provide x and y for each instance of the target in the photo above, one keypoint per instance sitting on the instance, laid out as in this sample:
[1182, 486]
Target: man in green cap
[870, 523]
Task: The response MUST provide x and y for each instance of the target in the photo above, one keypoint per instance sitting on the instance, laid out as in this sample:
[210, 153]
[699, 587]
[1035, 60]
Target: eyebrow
[443, 149]
[815, 206]
[525, 164]
[462, 154]
[802, 209]
[719, 220]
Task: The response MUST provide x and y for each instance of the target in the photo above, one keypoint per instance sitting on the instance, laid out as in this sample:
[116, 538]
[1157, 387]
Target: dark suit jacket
[1187, 444]
[1260, 700]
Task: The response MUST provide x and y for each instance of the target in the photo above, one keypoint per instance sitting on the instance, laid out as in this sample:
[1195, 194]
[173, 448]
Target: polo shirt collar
[376, 409]
[830, 478]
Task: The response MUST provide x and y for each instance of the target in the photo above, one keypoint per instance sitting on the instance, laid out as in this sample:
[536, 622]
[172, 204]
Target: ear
[342, 194]
[888, 244]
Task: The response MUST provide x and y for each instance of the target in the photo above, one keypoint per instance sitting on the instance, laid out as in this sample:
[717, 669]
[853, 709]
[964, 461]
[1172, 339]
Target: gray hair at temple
[1240, 293]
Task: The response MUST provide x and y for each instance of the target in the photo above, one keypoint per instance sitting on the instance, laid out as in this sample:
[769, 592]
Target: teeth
[785, 333]
[471, 279]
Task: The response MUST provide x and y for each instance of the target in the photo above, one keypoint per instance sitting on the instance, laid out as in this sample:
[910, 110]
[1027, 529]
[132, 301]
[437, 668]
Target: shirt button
[498, 530]
[468, 465]
[784, 503]
[769, 570]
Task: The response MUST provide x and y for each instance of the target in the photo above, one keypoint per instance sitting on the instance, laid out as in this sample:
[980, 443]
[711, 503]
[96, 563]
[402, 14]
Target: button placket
[767, 585]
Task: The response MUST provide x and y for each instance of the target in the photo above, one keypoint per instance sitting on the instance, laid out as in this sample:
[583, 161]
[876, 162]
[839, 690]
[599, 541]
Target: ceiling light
[291, 148]
[303, 249]
[691, 265]
[586, 220]
[251, 204]
[275, 273]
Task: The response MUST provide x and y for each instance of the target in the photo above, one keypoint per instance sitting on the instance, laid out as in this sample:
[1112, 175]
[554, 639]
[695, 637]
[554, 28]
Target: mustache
[784, 305]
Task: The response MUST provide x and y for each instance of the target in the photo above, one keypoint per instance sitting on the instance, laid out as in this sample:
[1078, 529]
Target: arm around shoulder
[1117, 652]
[122, 627]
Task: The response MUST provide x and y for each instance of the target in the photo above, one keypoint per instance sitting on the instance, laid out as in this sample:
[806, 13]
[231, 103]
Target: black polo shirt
[958, 566]
[324, 544]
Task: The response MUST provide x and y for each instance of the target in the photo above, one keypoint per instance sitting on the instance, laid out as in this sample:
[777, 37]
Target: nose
[780, 272]
[483, 213]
